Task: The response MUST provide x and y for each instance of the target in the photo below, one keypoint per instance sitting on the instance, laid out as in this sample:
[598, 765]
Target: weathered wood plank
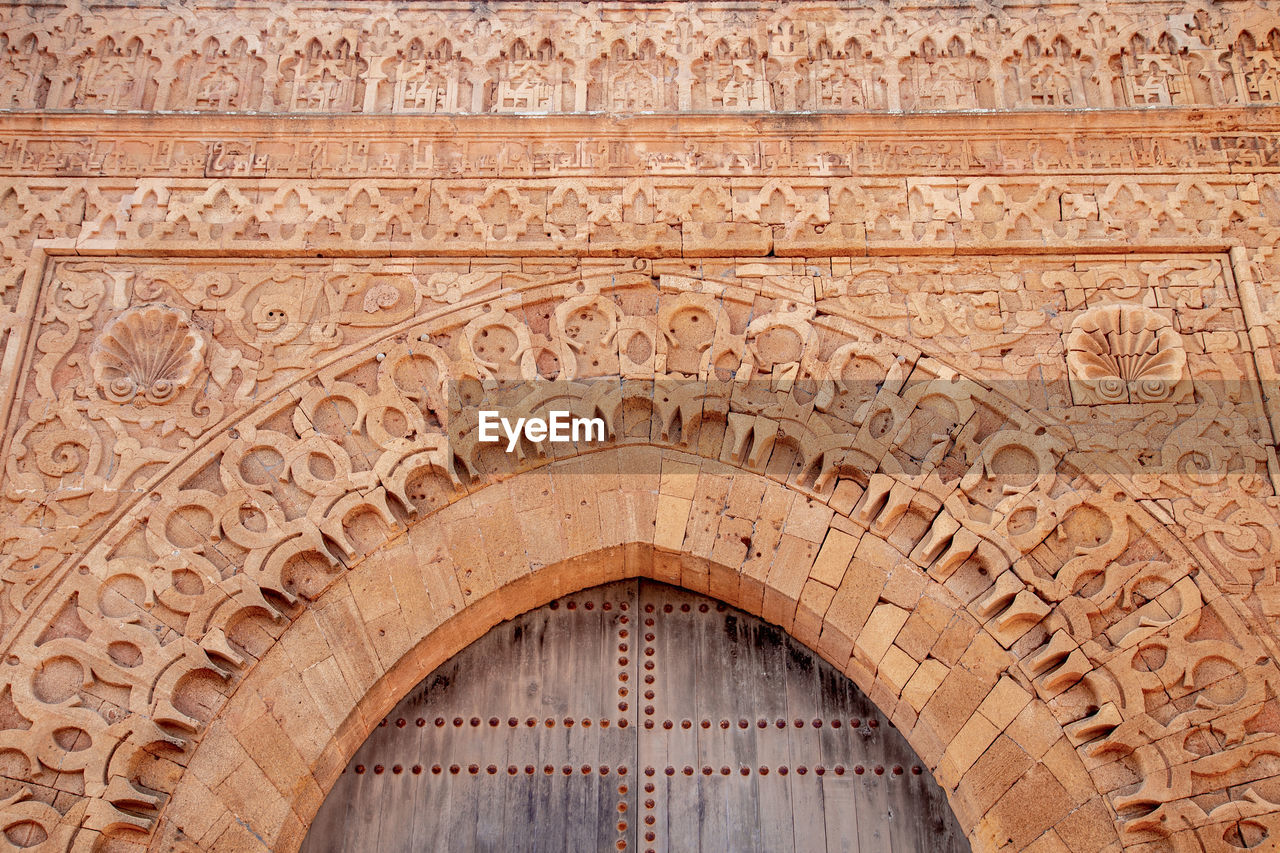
[540, 716]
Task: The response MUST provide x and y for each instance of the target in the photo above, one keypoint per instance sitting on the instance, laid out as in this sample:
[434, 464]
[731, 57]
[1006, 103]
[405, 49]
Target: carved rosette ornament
[1126, 354]
[149, 351]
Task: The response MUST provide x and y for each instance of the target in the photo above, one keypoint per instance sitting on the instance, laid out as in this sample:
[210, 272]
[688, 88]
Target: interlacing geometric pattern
[1000, 446]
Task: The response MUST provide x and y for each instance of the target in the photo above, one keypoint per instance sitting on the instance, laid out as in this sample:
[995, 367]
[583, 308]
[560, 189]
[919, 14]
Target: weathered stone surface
[980, 405]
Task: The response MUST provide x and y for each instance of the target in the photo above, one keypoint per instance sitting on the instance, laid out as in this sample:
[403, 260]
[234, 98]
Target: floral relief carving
[1157, 74]
[949, 77]
[149, 353]
[219, 78]
[1126, 353]
[1255, 67]
[318, 79]
[733, 78]
[116, 77]
[427, 80]
[1054, 75]
[25, 68]
[842, 79]
[627, 78]
[528, 79]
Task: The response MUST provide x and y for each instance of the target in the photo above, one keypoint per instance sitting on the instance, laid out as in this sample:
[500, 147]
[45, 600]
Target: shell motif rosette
[149, 353]
[1126, 354]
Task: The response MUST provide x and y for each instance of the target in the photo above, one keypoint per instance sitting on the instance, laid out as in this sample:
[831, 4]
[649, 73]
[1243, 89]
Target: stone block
[879, 632]
[673, 518]
[993, 773]
[969, 744]
[834, 557]
[1004, 703]
[924, 681]
[1034, 804]
[896, 669]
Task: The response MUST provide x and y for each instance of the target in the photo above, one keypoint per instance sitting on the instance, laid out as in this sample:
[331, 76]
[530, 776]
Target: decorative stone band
[381, 58]
[691, 217]
[1211, 141]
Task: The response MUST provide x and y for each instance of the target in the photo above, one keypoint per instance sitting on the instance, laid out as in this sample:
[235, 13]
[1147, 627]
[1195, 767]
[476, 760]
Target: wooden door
[635, 716]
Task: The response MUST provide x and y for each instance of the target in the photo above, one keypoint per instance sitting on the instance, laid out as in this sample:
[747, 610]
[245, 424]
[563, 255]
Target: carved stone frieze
[823, 147]
[420, 58]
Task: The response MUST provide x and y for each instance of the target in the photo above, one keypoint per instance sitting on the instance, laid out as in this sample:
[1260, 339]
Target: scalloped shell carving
[1126, 354]
[149, 351]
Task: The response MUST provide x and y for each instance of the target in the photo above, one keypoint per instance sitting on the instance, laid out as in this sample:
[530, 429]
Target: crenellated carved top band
[509, 59]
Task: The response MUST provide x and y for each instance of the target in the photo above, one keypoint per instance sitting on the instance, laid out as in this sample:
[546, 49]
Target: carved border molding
[752, 215]
[1140, 611]
[1211, 140]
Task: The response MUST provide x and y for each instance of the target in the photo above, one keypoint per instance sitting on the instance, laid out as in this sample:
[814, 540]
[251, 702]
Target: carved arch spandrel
[335, 662]
[883, 339]
[285, 317]
[188, 589]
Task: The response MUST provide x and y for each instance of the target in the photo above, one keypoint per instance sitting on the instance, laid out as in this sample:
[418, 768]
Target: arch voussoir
[904, 638]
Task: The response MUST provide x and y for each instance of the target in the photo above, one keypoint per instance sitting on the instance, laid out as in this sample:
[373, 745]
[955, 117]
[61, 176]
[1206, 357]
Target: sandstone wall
[944, 338]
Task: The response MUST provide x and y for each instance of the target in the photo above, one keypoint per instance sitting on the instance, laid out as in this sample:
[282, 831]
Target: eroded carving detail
[1126, 353]
[150, 351]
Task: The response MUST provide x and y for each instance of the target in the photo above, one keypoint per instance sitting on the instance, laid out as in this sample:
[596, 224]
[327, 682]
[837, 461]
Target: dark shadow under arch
[635, 716]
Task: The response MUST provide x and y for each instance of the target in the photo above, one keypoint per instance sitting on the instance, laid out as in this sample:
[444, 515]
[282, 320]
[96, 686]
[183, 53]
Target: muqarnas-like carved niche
[148, 353]
[1126, 354]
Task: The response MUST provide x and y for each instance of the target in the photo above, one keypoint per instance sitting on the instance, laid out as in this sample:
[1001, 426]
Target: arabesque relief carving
[1016, 353]
[977, 489]
[81, 463]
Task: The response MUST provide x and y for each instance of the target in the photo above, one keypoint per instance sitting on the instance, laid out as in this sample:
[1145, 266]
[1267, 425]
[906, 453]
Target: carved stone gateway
[942, 339]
